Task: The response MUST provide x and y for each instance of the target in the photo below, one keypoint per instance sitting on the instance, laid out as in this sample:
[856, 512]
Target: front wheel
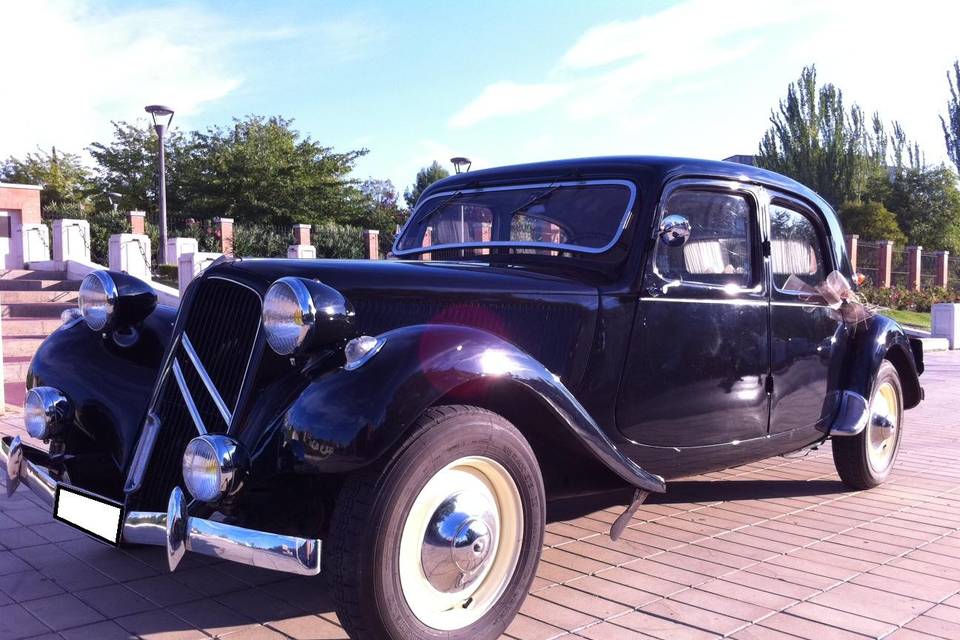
[443, 541]
[864, 461]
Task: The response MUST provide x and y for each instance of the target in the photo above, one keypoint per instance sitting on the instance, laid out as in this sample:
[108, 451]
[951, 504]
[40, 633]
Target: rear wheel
[865, 460]
[444, 540]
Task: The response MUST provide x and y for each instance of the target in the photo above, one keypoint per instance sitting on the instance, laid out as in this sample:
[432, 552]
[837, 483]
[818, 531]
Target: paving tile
[211, 616]
[257, 605]
[316, 628]
[807, 629]
[160, 625]
[583, 602]
[9, 563]
[693, 616]
[16, 623]
[555, 614]
[163, 591]
[106, 630]
[863, 601]
[61, 611]
[842, 619]
[115, 600]
[28, 585]
[659, 627]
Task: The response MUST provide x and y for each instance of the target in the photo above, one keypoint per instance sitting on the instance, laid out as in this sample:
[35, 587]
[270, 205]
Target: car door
[697, 368]
[806, 335]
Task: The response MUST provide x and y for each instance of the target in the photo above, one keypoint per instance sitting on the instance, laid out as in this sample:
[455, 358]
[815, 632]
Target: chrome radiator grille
[200, 390]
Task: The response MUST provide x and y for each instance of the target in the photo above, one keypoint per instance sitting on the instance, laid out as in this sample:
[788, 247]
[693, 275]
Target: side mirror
[674, 230]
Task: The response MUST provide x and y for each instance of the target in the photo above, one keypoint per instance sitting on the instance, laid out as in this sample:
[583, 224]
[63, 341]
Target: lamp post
[114, 198]
[162, 116]
[459, 163]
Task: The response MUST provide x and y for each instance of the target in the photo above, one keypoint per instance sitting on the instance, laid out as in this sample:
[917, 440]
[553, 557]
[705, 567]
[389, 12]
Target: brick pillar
[301, 234]
[913, 267]
[427, 241]
[851, 241]
[943, 261]
[486, 235]
[885, 263]
[371, 244]
[223, 227]
[138, 222]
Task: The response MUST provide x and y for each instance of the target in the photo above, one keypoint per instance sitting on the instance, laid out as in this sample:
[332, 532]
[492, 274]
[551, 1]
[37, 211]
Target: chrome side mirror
[674, 230]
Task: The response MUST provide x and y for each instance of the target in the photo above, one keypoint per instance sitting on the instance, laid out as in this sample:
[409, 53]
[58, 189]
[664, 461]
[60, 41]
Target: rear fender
[347, 419]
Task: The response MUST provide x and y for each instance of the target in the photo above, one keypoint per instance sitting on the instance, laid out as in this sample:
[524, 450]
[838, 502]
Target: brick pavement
[777, 549]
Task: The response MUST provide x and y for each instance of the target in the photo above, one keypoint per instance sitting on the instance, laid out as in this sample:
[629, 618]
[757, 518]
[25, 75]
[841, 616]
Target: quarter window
[719, 250]
[795, 247]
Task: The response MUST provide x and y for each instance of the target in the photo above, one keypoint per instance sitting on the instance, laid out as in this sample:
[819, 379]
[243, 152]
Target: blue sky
[501, 82]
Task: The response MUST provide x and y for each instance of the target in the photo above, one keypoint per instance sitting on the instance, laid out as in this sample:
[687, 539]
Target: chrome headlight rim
[45, 411]
[110, 293]
[230, 462]
[283, 345]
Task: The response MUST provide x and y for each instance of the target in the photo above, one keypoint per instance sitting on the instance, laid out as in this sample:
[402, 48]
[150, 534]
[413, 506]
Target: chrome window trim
[752, 192]
[188, 399]
[205, 378]
[822, 231]
[624, 221]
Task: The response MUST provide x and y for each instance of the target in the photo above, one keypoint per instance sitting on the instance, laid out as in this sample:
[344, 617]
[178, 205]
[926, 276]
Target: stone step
[14, 393]
[15, 368]
[39, 285]
[35, 327]
[31, 274]
[6, 297]
[20, 345]
[35, 309]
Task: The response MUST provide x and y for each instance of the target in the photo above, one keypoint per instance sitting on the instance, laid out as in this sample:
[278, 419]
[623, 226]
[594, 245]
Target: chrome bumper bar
[175, 529]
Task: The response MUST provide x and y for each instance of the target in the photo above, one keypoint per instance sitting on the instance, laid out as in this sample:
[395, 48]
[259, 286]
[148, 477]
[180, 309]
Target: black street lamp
[161, 120]
[459, 163]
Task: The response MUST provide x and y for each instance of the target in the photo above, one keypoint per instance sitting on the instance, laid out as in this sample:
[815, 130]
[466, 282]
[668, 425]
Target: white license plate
[94, 515]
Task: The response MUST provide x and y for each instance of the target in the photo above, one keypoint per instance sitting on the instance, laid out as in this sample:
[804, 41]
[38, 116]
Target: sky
[499, 82]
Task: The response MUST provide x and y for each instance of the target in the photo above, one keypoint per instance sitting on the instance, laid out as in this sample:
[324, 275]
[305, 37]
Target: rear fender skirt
[345, 419]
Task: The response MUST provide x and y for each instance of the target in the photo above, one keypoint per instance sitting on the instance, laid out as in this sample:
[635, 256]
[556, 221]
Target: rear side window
[795, 247]
[720, 248]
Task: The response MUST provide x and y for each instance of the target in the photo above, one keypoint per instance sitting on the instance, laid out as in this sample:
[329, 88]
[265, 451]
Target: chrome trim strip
[624, 220]
[738, 301]
[148, 438]
[205, 378]
[187, 398]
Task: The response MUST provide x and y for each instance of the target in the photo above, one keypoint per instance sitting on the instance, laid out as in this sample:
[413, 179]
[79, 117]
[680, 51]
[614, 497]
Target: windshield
[583, 217]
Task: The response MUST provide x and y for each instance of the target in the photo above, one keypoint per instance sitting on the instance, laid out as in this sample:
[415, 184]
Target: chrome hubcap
[882, 430]
[458, 541]
[461, 543]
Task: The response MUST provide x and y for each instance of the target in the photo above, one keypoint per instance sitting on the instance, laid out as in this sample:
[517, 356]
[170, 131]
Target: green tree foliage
[927, 203]
[425, 177]
[871, 221]
[65, 180]
[815, 139]
[951, 124]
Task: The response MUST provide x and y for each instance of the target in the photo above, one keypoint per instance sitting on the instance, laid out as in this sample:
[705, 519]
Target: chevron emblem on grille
[207, 383]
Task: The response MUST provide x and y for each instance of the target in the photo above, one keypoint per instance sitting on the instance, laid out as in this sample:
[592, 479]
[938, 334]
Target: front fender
[345, 419]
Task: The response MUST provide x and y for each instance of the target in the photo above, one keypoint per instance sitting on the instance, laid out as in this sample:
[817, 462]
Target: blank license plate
[94, 515]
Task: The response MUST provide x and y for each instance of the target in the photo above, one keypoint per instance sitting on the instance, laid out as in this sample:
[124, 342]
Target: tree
[816, 140]
[927, 203]
[951, 131]
[871, 221]
[425, 177]
[65, 180]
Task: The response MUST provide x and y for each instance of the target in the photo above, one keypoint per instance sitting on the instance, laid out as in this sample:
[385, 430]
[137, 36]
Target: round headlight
[45, 411]
[288, 314]
[211, 467]
[98, 298]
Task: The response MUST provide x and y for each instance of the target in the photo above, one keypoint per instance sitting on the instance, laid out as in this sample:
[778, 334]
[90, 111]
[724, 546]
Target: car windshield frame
[423, 207]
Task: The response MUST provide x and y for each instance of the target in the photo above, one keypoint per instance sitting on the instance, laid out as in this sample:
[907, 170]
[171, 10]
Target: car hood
[551, 317]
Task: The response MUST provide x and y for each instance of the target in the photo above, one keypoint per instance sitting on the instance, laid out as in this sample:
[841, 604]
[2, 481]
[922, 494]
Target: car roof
[660, 168]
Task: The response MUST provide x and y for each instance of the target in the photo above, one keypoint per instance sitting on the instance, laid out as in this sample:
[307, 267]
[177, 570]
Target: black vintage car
[549, 330]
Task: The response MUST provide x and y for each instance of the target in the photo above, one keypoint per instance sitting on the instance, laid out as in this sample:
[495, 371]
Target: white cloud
[507, 98]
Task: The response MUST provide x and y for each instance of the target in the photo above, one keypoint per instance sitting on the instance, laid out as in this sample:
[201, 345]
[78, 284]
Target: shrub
[260, 241]
[904, 299]
[337, 241]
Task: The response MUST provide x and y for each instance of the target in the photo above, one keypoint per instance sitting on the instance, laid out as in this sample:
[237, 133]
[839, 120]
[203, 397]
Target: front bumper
[176, 529]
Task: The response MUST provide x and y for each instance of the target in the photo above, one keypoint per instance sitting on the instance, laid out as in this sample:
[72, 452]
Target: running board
[620, 524]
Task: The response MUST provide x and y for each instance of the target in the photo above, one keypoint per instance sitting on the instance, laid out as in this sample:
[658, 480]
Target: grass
[917, 319]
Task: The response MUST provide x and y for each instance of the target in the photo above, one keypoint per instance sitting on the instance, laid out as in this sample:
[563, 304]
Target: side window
[795, 247]
[720, 248]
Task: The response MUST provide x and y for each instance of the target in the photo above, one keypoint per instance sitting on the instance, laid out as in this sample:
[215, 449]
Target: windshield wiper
[534, 200]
